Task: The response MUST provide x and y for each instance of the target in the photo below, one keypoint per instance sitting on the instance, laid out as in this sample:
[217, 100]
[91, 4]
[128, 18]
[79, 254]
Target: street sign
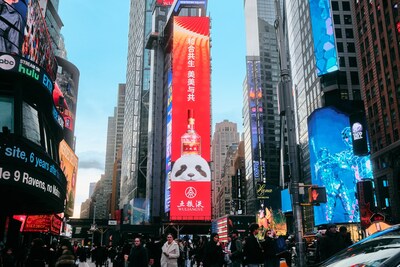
[112, 222]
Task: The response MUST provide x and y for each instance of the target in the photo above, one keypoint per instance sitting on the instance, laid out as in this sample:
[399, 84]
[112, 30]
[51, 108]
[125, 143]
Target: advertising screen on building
[190, 177]
[168, 164]
[335, 167]
[69, 165]
[256, 117]
[24, 33]
[324, 36]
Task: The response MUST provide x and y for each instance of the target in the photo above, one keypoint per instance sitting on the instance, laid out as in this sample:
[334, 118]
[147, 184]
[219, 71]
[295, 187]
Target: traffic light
[316, 194]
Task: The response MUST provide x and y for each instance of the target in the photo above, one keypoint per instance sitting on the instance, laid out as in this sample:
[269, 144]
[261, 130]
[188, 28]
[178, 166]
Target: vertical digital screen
[256, 117]
[335, 167]
[190, 177]
[69, 165]
[324, 37]
[168, 164]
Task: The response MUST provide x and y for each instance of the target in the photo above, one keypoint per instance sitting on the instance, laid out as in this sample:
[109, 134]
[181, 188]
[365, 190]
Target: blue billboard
[168, 165]
[324, 38]
[256, 117]
[335, 167]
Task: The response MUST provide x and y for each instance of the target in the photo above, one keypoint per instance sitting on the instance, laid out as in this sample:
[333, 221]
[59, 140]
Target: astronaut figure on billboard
[333, 169]
[327, 170]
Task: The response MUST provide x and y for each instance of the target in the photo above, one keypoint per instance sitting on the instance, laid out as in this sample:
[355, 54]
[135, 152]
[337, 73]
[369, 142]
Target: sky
[96, 40]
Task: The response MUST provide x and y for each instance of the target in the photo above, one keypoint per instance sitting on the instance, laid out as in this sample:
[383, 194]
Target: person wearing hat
[330, 243]
[252, 249]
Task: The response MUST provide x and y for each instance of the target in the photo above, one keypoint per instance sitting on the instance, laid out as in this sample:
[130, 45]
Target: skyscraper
[260, 111]
[224, 136]
[377, 28]
[135, 134]
[310, 90]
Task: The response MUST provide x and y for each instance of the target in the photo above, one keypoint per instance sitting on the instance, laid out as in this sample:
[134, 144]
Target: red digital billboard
[190, 178]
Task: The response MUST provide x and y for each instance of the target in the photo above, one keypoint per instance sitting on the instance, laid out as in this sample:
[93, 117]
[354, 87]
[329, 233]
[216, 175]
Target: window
[340, 47]
[336, 19]
[352, 62]
[347, 19]
[335, 5]
[7, 113]
[346, 6]
[351, 47]
[338, 33]
[30, 119]
[349, 33]
[354, 78]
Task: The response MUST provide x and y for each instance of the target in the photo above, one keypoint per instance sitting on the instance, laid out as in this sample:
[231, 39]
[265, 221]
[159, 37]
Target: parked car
[379, 249]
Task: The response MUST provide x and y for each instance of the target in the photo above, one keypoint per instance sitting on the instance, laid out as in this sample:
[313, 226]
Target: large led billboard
[256, 117]
[190, 177]
[324, 36]
[69, 165]
[23, 33]
[335, 167]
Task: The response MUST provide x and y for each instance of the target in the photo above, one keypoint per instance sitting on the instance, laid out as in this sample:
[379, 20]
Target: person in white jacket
[170, 253]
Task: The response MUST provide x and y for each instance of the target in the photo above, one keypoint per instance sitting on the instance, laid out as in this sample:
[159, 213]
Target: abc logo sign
[7, 62]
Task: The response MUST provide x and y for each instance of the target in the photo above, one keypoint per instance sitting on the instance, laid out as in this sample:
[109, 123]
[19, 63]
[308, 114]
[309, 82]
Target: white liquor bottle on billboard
[191, 140]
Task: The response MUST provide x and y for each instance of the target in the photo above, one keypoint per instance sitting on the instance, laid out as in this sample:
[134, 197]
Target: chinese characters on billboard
[23, 32]
[190, 177]
[335, 167]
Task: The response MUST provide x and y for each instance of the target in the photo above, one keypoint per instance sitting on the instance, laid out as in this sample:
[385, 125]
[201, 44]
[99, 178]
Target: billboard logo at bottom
[7, 62]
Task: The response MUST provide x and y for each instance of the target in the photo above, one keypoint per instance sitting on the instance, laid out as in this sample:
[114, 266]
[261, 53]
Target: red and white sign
[190, 200]
[190, 178]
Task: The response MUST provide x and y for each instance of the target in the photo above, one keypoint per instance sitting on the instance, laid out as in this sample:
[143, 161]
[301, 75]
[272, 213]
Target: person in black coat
[214, 254]
[37, 254]
[138, 256]
[331, 243]
[252, 249]
[154, 250]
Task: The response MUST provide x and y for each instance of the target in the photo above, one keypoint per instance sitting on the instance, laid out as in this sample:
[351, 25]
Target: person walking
[138, 255]
[252, 249]
[270, 249]
[235, 250]
[170, 252]
[214, 255]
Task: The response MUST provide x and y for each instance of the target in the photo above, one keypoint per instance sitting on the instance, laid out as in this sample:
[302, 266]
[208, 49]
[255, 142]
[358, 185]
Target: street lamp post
[289, 113]
[93, 226]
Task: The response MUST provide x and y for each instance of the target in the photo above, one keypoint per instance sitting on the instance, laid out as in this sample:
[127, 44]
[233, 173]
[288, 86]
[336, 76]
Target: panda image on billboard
[191, 168]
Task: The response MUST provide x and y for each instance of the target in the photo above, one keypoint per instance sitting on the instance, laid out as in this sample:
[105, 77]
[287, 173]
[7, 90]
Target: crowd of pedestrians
[260, 247]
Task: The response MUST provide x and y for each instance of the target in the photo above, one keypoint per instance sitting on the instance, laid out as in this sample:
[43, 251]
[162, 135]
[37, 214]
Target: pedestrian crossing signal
[316, 194]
